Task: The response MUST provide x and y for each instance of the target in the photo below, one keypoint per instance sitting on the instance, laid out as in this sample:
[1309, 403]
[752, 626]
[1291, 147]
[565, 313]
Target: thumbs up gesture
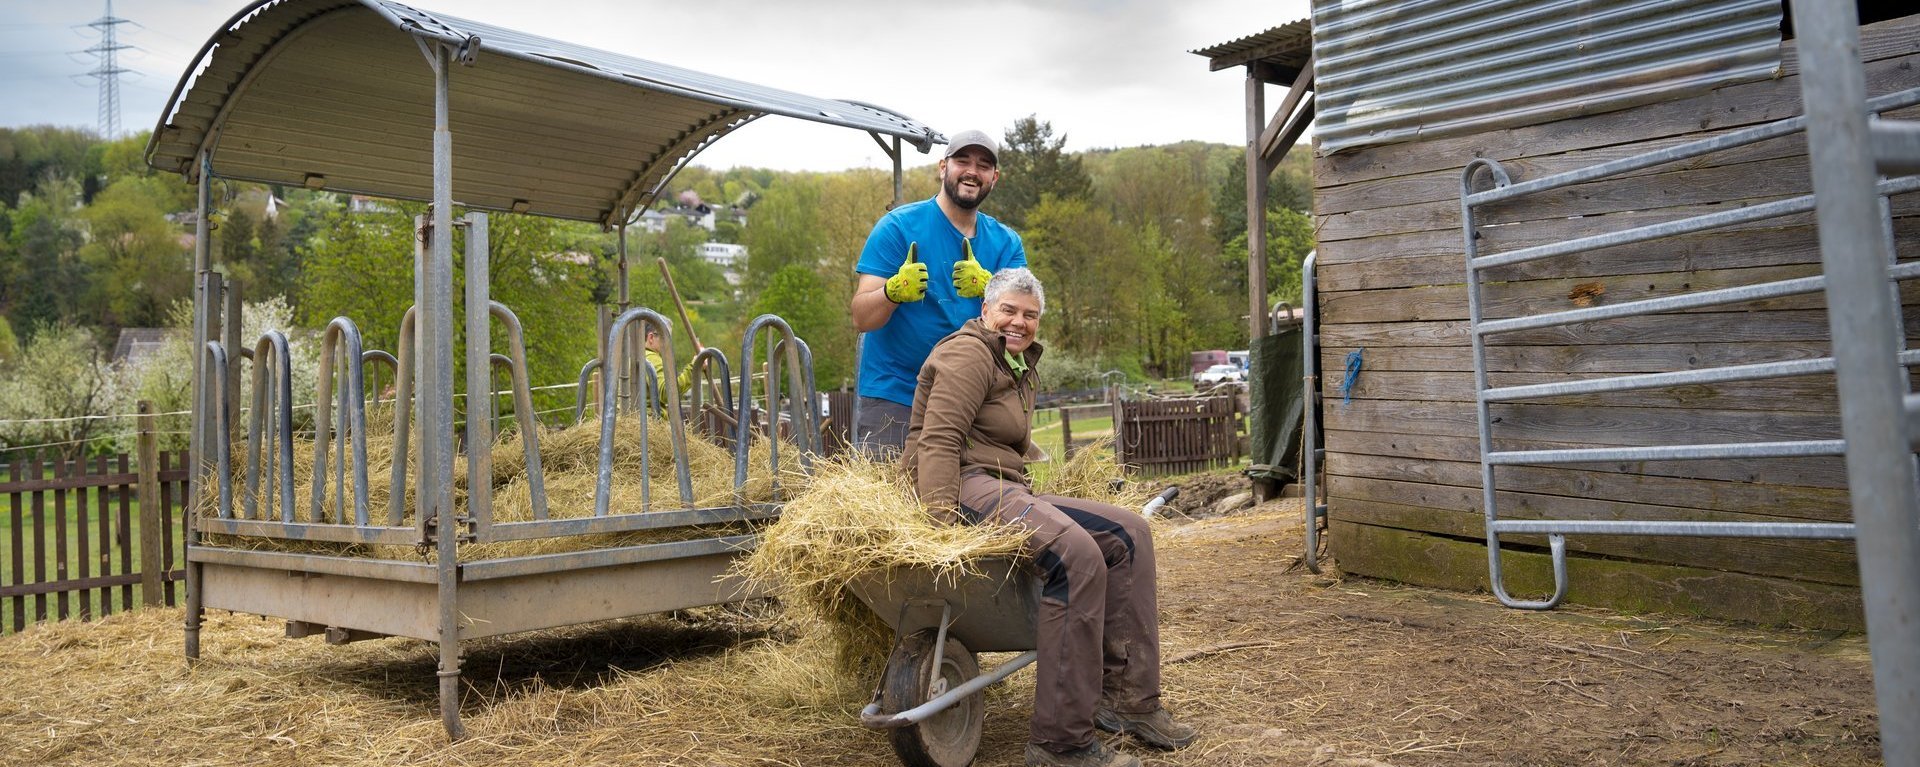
[969, 279]
[910, 283]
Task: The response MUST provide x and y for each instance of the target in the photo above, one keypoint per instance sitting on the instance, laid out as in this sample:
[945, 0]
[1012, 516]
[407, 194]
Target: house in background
[136, 345]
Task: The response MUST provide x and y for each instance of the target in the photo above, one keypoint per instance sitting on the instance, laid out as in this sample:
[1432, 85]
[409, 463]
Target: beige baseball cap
[967, 138]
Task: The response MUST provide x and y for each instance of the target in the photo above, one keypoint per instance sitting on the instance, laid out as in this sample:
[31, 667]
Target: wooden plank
[1880, 40]
[153, 514]
[60, 469]
[1808, 394]
[1524, 298]
[1785, 239]
[16, 546]
[1813, 504]
[1592, 359]
[77, 585]
[1631, 587]
[103, 522]
[1454, 511]
[1387, 266]
[167, 506]
[1444, 184]
[124, 536]
[1826, 472]
[81, 512]
[69, 482]
[1587, 425]
[1761, 179]
[1729, 107]
[1716, 327]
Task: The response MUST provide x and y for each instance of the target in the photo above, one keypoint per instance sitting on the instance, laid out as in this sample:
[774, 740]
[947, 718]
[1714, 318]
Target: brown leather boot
[1156, 729]
[1095, 754]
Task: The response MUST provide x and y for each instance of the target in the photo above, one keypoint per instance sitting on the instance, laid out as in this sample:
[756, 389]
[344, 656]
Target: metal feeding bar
[1556, 530]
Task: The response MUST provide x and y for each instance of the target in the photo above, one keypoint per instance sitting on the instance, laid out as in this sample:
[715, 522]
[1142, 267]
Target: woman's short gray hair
[1019, 280]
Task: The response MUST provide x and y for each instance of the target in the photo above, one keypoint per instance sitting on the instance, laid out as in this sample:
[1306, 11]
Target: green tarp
[1274, 408]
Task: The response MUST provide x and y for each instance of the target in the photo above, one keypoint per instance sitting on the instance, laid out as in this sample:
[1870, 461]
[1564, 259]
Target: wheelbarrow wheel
[951, 737]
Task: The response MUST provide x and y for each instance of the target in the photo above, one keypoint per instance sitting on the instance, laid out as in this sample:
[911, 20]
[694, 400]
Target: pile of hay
[857, 517]
[569, 469]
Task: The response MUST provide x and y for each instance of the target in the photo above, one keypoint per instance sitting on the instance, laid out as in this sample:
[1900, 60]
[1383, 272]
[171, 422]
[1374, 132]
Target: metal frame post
[1863, 317]
[433, 293]
[197, 434]
[480, 427]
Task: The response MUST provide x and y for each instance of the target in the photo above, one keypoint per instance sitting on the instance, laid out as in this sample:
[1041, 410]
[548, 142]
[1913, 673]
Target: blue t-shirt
[890, 362]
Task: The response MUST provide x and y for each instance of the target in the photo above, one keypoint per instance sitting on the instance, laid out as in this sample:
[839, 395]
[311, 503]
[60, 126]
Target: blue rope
[1354, 360]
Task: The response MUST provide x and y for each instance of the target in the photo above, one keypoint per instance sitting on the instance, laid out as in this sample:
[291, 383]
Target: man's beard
[952, 186]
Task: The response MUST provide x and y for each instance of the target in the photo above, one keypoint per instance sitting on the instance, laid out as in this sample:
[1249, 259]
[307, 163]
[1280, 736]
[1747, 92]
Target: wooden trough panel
[495, 596]
[1402, 457]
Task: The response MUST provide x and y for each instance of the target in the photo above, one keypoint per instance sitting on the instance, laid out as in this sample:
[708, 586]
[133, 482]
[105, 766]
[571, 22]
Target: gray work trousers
[881, 432]
[1099, 625]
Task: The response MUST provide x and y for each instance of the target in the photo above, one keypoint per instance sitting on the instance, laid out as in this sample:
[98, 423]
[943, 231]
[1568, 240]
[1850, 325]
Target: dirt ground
[1275, 665]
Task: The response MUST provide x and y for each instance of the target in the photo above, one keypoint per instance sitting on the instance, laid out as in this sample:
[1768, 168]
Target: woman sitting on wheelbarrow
[1099, 633]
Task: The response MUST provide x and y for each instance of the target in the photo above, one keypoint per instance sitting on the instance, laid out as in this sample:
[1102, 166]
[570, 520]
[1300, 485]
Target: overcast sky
[1107, 73]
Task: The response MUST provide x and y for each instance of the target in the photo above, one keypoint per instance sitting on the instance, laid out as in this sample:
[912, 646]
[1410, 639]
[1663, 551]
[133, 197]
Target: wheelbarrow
[930, 692]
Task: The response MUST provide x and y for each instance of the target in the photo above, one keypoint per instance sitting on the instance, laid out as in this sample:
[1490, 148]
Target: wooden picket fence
[86, 538]
[1179, 435]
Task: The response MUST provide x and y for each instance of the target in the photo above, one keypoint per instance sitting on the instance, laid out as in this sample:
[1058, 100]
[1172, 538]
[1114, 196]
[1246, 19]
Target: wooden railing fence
[89, 537]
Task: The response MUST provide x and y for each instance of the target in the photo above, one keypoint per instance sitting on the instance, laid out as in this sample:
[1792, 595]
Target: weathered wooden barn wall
[1402, 456]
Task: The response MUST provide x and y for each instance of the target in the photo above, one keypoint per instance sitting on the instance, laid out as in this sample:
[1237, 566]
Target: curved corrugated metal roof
[337, 92]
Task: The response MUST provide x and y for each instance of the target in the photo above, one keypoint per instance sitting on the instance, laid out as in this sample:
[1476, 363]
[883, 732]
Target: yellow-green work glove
[910, 283]
[969, 280]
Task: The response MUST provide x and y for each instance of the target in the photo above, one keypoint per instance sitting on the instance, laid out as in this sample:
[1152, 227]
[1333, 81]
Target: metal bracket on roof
[469, 50]
[466, 52]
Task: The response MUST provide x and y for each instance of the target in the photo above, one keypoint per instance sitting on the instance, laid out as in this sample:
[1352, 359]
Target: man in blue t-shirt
[921, 275]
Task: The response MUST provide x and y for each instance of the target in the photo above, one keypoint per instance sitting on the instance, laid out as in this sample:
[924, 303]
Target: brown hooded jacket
[970, 413]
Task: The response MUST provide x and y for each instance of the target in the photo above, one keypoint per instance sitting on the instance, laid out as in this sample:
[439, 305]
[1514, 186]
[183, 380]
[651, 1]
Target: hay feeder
[332, 94]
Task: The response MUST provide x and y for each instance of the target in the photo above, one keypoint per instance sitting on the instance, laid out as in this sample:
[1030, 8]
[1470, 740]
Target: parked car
[1220, 374]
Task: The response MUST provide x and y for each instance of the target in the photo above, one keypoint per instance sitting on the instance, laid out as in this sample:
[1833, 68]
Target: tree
[1289, 188]
[849, 204]
[794, 293]
[783, 231]
[138, 264]
[29, 155]
[1079, 254]
[362, 268]
[46, 279]
[680, 244]
[59, 378]
[9, 343]
[1289, 240]
[1033, 164]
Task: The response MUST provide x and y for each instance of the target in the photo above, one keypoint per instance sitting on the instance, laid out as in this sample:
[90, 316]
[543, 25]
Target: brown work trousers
[1099, 626]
